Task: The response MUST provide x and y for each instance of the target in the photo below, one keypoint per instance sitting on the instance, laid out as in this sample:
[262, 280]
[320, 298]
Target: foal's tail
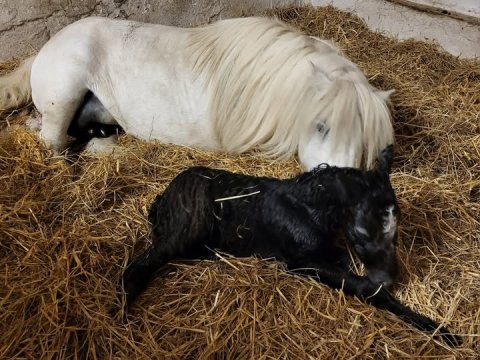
[15, 88]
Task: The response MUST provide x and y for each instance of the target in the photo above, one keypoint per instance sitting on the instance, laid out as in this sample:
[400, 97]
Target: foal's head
[371, 223]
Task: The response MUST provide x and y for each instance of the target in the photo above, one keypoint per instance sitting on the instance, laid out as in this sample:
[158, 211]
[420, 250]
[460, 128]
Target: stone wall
[25, 25]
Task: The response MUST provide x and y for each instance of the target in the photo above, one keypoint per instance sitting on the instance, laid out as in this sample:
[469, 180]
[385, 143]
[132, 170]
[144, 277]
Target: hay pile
[67, 230]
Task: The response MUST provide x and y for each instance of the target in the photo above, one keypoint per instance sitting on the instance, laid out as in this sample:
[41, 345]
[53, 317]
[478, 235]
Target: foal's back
[222, 210]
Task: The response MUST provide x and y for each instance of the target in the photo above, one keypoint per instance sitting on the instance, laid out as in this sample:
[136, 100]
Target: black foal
[296, 221]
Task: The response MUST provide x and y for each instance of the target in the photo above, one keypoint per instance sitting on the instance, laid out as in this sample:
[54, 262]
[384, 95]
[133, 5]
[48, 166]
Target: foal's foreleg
[363, 288]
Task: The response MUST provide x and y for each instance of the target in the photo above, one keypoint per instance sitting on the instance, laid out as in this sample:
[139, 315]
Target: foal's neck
[334, 188]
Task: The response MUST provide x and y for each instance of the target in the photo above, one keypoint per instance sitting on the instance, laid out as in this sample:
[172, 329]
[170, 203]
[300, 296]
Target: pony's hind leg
[55, 122]
[58, 90]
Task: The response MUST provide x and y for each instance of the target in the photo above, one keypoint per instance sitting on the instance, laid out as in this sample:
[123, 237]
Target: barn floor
[67, 230]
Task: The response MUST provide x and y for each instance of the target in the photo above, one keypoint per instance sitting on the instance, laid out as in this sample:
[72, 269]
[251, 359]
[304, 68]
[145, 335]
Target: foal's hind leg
[177, 246]
[141, 271]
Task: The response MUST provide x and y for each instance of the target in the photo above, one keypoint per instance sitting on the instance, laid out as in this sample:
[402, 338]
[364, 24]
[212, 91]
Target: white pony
[231, 86]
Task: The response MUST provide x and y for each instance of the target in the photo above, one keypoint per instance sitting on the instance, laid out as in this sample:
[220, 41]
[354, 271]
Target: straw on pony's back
[232, 86]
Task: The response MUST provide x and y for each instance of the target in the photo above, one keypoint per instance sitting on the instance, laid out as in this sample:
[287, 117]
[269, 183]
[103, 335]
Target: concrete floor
[458, 37]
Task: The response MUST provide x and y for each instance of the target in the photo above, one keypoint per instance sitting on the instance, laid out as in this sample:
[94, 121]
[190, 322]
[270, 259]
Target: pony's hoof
[34, 123]
[102, 145]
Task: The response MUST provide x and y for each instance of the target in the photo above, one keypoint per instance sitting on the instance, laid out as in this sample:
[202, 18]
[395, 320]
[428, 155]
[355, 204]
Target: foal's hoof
[117, 313]
[113, 311]
[449, 338]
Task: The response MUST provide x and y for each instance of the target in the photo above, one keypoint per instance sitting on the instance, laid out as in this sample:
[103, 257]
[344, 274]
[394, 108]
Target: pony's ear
[385, 160]
[385, 95]
[320, 79]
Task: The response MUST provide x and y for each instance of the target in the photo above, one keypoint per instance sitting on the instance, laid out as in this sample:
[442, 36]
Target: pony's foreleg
[379, 297]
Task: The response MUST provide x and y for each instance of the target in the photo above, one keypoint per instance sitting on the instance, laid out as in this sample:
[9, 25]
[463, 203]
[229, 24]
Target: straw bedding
[67, 229]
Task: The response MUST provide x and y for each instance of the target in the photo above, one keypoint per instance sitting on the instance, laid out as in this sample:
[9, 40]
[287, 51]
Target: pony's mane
[357, 117]
[272, 86]
[377, 132]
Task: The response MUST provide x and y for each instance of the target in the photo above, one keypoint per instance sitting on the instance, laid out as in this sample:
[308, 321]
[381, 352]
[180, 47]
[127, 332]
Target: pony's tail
[15, 88]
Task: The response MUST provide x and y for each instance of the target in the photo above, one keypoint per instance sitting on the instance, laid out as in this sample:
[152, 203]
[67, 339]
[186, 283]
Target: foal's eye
[362, 232]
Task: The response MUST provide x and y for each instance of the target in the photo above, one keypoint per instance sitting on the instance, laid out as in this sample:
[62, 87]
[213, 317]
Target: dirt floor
[67, 230]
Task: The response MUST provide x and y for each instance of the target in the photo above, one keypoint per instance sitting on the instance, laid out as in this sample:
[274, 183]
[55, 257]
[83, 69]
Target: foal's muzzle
[382, 277]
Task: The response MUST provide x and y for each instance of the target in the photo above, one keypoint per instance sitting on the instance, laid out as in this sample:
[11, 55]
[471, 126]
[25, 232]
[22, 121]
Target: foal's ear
[385, 160]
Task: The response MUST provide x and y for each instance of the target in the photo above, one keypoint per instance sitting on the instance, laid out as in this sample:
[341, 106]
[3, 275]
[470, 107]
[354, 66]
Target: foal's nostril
[387, 283]
[381, 278]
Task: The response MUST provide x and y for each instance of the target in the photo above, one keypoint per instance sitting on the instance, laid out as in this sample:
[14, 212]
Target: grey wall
[25, 25]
